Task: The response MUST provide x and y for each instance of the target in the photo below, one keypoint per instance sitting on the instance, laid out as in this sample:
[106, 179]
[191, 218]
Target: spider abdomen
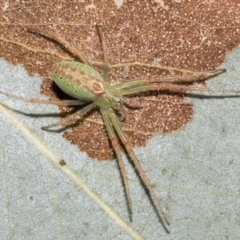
[78, 80]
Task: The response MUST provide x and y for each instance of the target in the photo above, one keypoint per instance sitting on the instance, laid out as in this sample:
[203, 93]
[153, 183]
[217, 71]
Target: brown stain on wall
[190, 35]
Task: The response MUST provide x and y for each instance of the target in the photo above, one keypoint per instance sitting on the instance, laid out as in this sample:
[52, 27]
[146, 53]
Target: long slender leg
[105, 58]
[39, 101]
[159, 86]
[170, 87]
[76, 115]
[139, 168]
[113, 138]
[62, 41]
[190, 78]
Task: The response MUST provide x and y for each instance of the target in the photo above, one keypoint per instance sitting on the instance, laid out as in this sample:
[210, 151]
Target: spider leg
[39, 101]
[105, 58]
[76, 115]
[113, 138]
[158, 86]
[186, 78]
[63, 42]
[139, 168]
[177, 88]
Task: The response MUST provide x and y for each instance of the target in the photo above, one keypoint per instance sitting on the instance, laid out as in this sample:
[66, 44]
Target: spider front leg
[116, 147]
[164, 83]
[109, 112]
[171, 83]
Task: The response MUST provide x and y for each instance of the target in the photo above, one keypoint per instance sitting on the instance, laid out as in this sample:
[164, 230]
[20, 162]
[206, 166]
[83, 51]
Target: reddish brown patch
[186, 35]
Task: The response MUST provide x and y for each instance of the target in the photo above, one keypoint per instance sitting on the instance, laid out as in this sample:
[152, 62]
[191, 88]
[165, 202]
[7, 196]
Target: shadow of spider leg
[61, 41]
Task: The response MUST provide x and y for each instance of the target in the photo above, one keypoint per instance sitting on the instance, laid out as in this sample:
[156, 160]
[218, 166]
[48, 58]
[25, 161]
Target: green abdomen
[78, 80]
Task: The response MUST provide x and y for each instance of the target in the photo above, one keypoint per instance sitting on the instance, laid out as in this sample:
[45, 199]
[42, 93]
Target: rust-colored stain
[165, 37]
[62, 163]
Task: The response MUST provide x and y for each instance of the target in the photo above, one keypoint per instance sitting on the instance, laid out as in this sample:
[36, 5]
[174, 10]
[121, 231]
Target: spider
[82, 82]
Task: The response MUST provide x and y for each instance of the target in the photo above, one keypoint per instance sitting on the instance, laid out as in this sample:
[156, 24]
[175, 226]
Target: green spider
[81, 81]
